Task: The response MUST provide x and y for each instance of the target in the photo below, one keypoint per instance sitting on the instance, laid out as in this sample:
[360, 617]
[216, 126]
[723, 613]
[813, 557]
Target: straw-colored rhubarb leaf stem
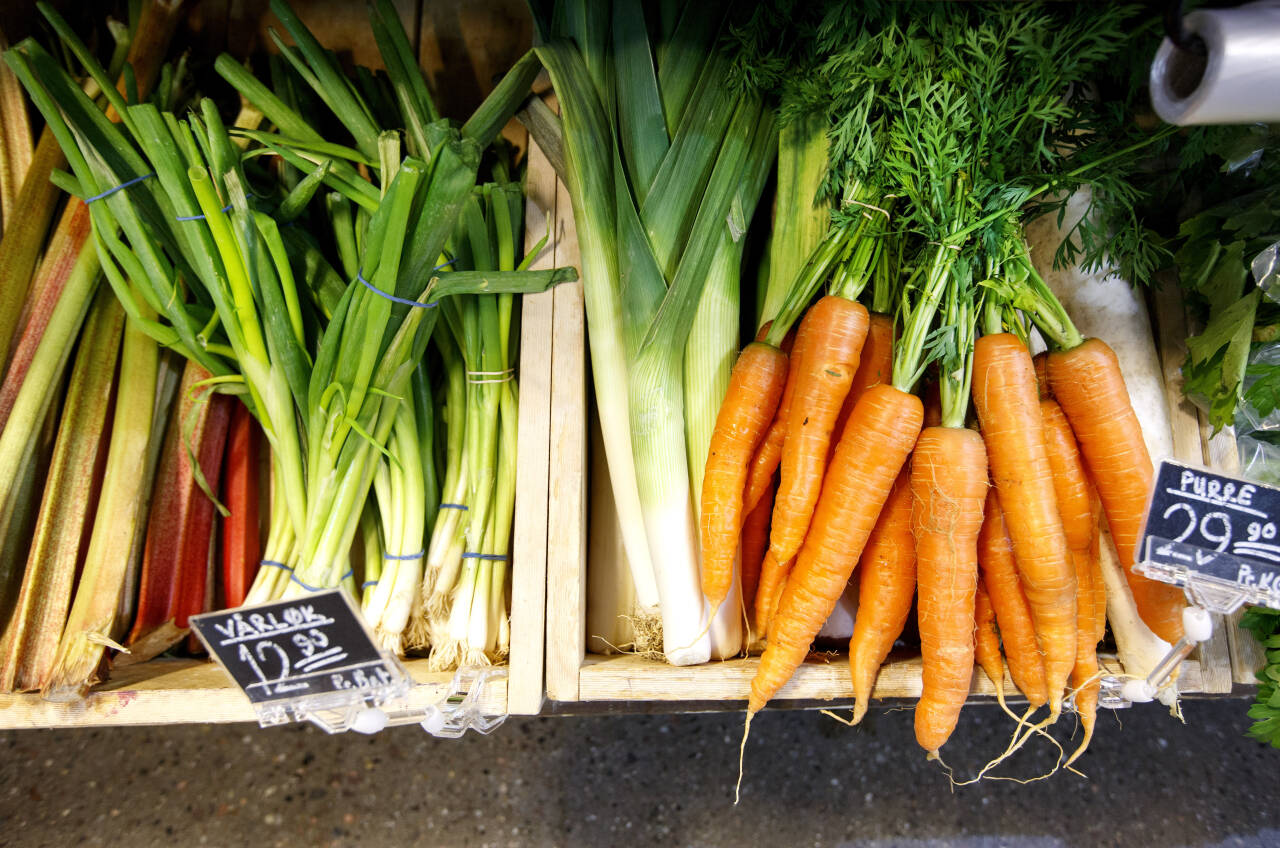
[31, 638]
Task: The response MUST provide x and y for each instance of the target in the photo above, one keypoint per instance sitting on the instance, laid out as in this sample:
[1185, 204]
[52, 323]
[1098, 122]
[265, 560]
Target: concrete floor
[638, 780]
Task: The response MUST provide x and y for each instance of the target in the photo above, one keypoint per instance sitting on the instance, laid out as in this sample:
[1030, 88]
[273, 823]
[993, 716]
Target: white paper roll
[1237, 82]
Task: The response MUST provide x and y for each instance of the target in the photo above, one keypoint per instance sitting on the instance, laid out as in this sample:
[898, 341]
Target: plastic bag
[1259, 460]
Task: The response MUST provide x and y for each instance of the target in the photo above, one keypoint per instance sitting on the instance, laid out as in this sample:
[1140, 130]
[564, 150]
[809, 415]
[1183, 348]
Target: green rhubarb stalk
[33, 400]
[24, 237]
[31, 638]
[93, 611]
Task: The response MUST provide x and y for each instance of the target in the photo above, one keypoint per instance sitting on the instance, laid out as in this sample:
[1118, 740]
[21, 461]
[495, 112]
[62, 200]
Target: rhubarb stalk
[31, 638]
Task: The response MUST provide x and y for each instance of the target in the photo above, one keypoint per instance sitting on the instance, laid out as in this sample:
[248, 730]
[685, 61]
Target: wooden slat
[1188, 446]
[529, 545]
[190, 691]
[630, 678]
[1246, 655]
[609, 584]
[567, 519]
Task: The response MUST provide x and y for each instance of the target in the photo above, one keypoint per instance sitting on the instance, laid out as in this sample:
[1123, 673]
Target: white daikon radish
[839, 624]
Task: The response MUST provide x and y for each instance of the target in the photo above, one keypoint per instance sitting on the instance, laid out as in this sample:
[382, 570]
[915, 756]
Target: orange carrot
[1095, 569]
[1084, 677]
[765, 463]
[755, 542]
[886, 586]
[755, 386]
[986, 639]
[948, 488]
[875, 365]
[1088, 384]
[1013, 615]
[773, 578]
[837, 330]
[1076, 508]
[1006, 399]
[875, 444]
[1070, 480]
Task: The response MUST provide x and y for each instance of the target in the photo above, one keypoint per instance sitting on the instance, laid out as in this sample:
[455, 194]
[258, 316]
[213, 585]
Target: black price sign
[298, 648]
[1214, 525]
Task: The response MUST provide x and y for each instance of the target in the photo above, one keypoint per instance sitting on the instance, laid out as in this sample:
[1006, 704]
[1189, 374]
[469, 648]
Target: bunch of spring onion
[189, 234]
[666, 160]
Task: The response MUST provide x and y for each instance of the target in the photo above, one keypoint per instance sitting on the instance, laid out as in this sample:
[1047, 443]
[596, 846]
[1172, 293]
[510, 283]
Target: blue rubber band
[366, 584]
[351, 572]
[371, 287]
[444, 264]
[293, 578]
[418, 555]
[200, 217]
[487, 557]
[272, 563]
[120, 187]
[454, 506]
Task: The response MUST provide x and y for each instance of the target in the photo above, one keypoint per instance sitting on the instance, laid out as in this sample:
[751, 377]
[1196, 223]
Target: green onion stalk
[448, 535]
[472, 618]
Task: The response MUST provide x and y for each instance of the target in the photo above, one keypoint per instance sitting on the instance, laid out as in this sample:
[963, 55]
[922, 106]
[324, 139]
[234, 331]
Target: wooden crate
[583, 542]
[464, 47]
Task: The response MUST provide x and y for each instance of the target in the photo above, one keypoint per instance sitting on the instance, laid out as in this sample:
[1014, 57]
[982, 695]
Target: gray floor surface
[640, 780]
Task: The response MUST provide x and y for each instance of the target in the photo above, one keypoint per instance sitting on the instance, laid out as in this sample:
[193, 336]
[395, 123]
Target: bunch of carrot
[991, 521]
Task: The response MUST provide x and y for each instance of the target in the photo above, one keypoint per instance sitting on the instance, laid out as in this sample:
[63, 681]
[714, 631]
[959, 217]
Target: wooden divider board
[567, 522]
[166, 691]
[529, 540]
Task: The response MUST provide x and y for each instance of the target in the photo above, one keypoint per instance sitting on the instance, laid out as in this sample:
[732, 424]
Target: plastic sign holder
[1216, 536]
[313, 659]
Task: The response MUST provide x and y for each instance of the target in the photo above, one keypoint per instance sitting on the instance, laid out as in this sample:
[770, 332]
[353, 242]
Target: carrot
[1087, 382]
[1076, 507]
[755, 387]
[876, 442]
[886, 587]
[1095, 569]
[837, 330]
[773, 578]
[1013, 615]
[241, 543]
[1006, 399]
[765, 462]
[948, 487]
[986, 640]
[755, 542]
[875, 365]
[1070, 480]
[1084, 675]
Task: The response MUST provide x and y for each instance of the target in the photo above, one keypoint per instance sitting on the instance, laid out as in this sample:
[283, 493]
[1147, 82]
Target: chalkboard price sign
[298, 649]
[1201, 524]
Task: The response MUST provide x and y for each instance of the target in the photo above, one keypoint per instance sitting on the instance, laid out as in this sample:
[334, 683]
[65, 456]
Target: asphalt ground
[1150, 780]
